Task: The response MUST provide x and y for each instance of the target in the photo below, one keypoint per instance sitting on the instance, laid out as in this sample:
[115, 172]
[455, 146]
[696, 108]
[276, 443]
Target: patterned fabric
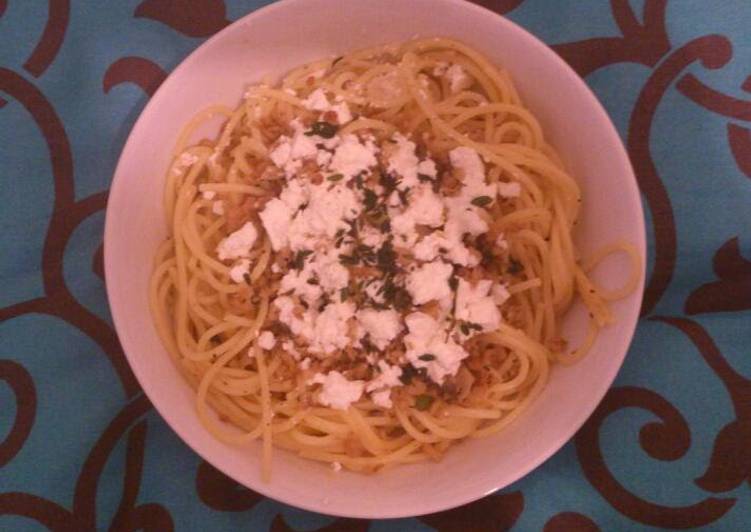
[669, 447]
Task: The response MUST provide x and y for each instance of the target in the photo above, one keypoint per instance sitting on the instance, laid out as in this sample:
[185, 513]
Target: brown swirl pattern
[644, 40]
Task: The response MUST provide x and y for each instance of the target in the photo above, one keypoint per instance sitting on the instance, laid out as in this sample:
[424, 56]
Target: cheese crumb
[458, 78]
[239, 270]
[266, 340]
[352, 157]
[509, 190]
[239, 243]
[428, 348]
[382, 326]
[429, 282]
[500, 294]
[336, 391]
[475, 305]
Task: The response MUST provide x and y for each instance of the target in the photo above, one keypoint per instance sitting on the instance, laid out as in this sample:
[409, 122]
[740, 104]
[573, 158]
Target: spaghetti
[371, 261]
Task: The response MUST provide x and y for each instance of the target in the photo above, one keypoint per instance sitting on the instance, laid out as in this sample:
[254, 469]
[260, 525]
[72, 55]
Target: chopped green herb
[371, 200]
[423, 401]
[335, 177]
[408, 372]
[367, 345]
[467, 326]
[453, 282]
[402, 299]
[352, 228]
[485, 250]
[388, 182]
[312, 281]
[424, 178]
[377, 216]
[387, 257]
[299, 261]
[348, 260]
[246, 277]
[344, 294]
[358, 180]
[427, 357]
[325, 130]
[482, 201]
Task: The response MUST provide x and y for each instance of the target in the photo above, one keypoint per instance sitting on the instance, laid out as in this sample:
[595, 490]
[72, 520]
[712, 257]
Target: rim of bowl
[553, 446]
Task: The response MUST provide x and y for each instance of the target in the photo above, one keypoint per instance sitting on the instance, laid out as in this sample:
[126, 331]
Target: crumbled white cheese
[336, 391]
[336, 466]
[425, 208]
[509, 190]
[323, 158]
[430, 247]
[184, 161]
[387, 378]
[325, 332]
[382, 325]
[330, 331]
[276, 217]
[329, 208]
[372, 237]
[352, 157]
[218, 207]
[290, 348]
[468, 161]
[239, 243]
[266, 340]
[305, 364]
[294, 194]
[427, 168]
[427, 339]
[382, 398]
[500, 294]
[404, 162]
[208, 194]
[458, 78]
[238, 272]
[475, 305]
[318, 101]
[289, 152]
[380, 387]
[429, 282]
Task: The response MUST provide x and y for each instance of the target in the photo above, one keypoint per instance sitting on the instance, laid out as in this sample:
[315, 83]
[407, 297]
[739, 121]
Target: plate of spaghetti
[377, 263]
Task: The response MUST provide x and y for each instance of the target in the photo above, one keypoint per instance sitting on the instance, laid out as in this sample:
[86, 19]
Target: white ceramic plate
[274, 39]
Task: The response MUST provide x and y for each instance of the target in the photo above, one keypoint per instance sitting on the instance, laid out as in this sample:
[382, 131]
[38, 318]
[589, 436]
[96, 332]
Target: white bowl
[274, 39]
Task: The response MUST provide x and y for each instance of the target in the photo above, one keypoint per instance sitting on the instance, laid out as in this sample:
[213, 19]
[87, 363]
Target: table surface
[669, 447]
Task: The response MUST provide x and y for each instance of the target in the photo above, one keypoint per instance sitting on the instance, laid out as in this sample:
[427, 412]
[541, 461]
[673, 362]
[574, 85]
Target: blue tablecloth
[670, 446]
